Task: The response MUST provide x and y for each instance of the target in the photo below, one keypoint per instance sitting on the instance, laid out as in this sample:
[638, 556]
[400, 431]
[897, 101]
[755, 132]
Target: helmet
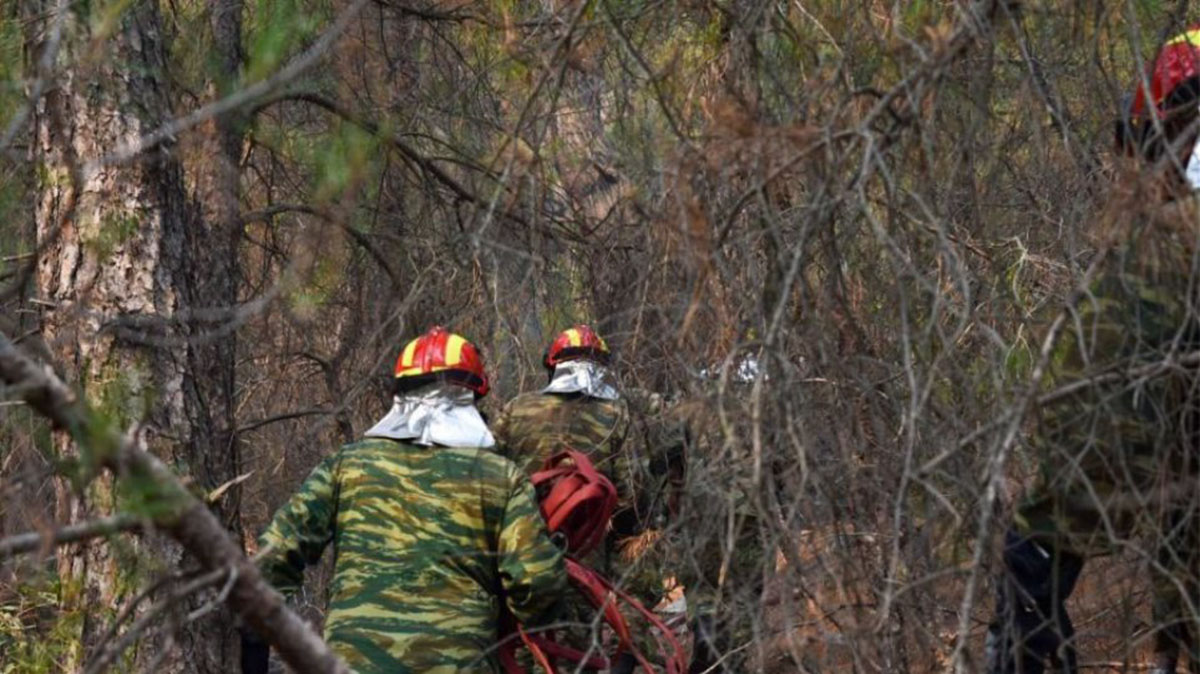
[577, 342]
[1177, 62]
[1174, 81]
[576, 500]
[439, 354]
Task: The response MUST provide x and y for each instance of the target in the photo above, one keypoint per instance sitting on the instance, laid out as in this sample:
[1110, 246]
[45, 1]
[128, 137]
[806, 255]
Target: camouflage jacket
[428, 542]
[628, 441]
[534, 426]
[1116, 435]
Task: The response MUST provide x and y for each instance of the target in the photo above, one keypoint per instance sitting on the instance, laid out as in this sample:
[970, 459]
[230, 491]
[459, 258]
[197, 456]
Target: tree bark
[122, 242]
[210, 279]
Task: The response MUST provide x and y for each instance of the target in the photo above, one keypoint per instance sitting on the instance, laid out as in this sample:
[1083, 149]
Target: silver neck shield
[438, 414]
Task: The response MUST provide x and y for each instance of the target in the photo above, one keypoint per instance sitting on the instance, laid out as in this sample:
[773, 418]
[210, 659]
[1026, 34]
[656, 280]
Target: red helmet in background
[1169, 103]
[574, 343]
[441, 354]
[1177, 62]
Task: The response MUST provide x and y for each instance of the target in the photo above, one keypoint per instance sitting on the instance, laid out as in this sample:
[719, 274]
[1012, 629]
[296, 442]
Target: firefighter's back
[534, 426]
[422, 537]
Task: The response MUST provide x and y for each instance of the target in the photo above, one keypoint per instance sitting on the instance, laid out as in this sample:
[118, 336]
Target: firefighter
[581, 407]
[1116, 432]
[432, 530]
[724, 551]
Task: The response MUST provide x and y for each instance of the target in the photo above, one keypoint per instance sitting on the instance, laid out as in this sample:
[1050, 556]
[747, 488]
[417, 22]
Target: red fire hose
[577, 501]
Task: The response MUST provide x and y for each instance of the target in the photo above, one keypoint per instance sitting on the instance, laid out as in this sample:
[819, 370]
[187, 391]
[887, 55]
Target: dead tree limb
[183, 516]
[28, 542]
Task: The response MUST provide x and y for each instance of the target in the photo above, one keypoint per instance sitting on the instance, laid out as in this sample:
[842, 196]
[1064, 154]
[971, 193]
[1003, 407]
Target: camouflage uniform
[428, 541]
[534, 426]
[630, 446]
[1117, 452]
[721, 555]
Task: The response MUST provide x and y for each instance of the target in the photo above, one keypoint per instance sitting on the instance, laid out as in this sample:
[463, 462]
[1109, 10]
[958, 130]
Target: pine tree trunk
[210, 267]
[123, 286]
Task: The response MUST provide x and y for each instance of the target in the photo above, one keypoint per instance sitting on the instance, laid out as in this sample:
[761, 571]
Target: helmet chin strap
[438, 414]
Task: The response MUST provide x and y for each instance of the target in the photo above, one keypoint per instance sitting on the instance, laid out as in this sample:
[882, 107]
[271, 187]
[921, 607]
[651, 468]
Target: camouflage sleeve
[301, 529]
[654, 458]
[618, 464]
[669, 462]
[531, 567]
[500, 430]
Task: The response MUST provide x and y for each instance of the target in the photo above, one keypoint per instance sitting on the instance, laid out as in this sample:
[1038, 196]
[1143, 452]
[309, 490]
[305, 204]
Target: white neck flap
[1191, 172]
[583, 376]
[438, 414]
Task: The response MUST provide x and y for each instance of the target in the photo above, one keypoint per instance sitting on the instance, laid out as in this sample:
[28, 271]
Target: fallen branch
[184, 517]
[34, 540]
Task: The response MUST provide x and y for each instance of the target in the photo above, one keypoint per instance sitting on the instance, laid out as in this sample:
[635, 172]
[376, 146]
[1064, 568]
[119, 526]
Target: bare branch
[259, 423]
[111, 650]
[28, 542]
[188, 521]
[239, 98]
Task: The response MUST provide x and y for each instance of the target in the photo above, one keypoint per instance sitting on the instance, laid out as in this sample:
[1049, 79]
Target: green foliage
[317, 289]
[343, 162]
[277, 29]
[105, 17]
[35, 632]
[14, 183]
[143, 496]
[191, 53]
[11, 69]
[14, 220]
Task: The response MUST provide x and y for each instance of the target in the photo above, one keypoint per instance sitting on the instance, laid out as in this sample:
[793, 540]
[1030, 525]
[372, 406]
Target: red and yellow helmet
[1163, 107]
[1177, 63]
[441, 354]
[577, 342]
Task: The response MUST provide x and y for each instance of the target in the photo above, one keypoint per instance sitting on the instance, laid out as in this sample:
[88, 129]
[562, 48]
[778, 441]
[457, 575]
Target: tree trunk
[126, 295]
[211, 271]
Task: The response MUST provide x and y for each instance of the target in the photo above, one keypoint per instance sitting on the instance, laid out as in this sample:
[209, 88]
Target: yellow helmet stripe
[454, 347]
[414, 371]
[406, 358]
[1190, 37]
[417, 369]
[574, 338]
